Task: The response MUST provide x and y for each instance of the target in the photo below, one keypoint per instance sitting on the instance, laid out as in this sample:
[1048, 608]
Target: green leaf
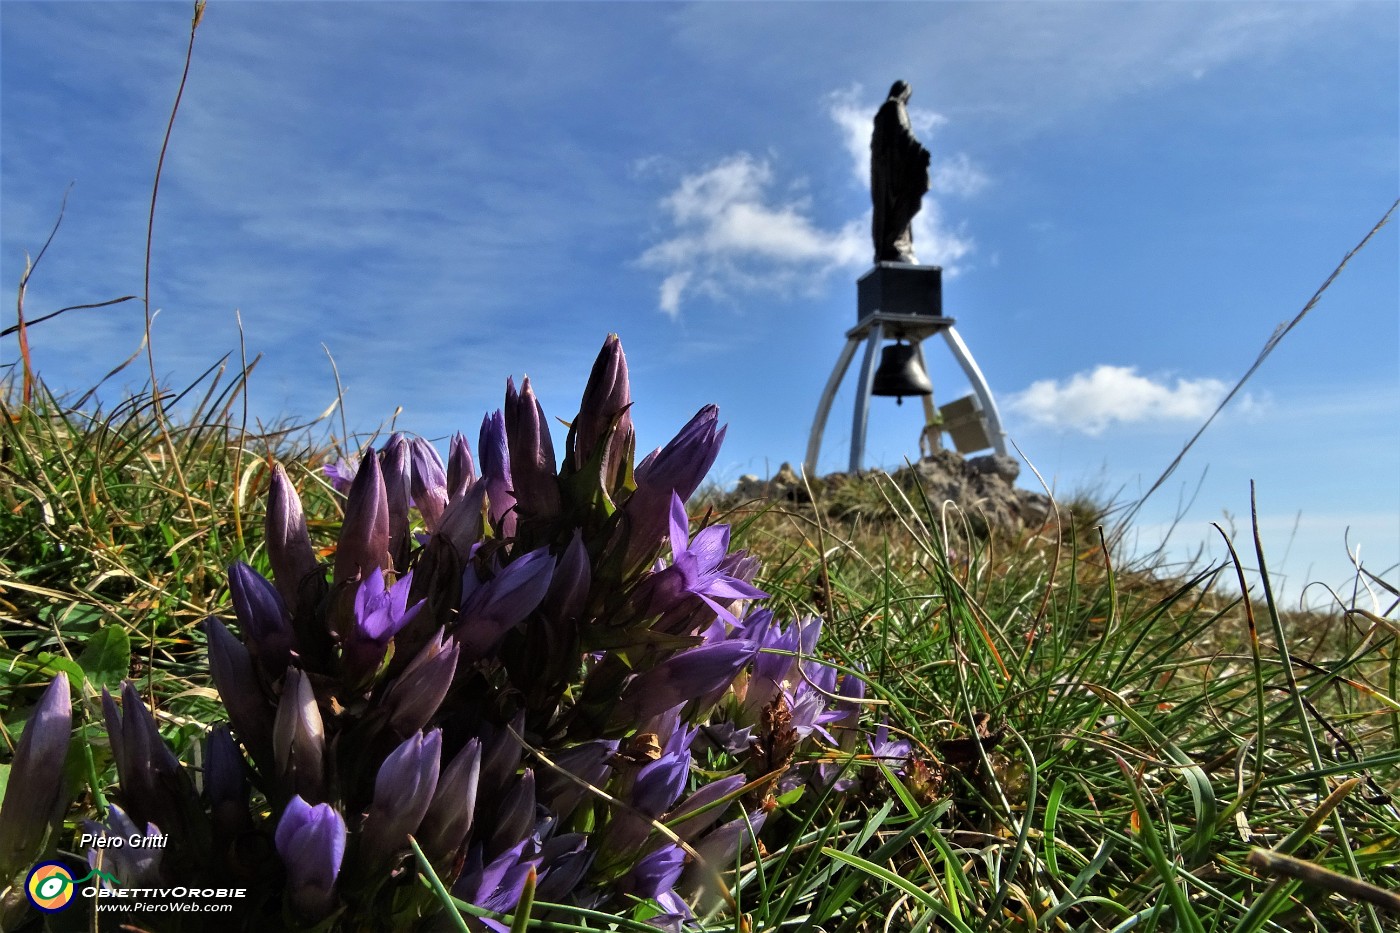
[107, 657]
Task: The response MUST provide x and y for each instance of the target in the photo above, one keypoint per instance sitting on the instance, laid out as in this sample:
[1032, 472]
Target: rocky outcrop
[982, 488]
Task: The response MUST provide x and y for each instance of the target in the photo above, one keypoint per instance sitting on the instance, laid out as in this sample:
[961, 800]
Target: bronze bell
[900, 373]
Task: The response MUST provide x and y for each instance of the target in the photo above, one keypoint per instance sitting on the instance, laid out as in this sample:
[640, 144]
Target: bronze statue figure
[898, 178]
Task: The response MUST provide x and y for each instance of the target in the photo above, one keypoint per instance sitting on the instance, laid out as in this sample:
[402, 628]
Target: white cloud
[1092, 401]
[732, 234]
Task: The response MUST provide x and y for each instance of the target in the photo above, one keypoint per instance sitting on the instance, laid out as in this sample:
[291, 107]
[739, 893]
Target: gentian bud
[267, 627]
[494, 451]
[34, 795]
[718, 849]
[394, 461]
[461, 521]
[515, 816]
[288, 542]
[491, 609]
[461, 472]
[429, 482]
[689, 829]
[591, 762]
[415, 695]
[226, 784]
[692, 673]
[152, 782]
[500, 756]
[311, 841]
[237, 683]
[403, 791]
[676, 468]
[654, 790]
[604, 417]
[655, 873]
[568, 590]
[448, 822]
[364, 535]
[299, 737]
[533, 471]
[134, 865]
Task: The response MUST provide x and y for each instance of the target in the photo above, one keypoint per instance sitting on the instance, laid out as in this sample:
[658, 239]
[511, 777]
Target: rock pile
[982, 488]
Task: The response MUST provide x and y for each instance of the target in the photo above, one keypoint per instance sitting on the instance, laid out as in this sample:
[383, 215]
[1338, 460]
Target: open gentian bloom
[380, 613]
[696, 565]
[311, 841]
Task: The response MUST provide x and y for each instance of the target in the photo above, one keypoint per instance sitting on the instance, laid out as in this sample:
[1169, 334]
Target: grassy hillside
[1088, 746]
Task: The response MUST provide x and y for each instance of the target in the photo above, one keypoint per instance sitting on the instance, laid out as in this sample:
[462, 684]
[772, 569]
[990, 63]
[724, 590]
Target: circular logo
[49, 886]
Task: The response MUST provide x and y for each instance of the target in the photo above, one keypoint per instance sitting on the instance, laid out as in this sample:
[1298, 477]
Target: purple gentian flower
[288, 542]
[34, 794]
[655, 873]
[266, 624]
[461, 472]
[533, 470]
[429, 482]
[342, 473]
[491, 609]
[887, 749]
[604, 417]
[418, 691]
[403, 791]
[380, 613]
[515, 815]
[311, 842]
[364, 534]
[675, 469]
[153, 784]
[687, 675]
[498, 885]
[697, 563]
[396, 466]
[299, 737]
[448, 823]
[689, 829]
[239, 690]
[132, 865]
[494, 450]
[590, 761]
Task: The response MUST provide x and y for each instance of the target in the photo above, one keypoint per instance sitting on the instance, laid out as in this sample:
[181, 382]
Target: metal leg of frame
[814, 440]
[867, 380]
[980, 387]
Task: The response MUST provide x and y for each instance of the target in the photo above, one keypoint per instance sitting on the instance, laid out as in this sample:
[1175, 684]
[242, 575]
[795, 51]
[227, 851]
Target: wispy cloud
[1090, 402]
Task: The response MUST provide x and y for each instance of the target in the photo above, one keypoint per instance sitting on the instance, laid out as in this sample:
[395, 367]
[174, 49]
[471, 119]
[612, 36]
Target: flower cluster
[546, 681]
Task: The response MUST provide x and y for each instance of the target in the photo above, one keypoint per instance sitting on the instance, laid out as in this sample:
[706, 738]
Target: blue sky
[1128, 199]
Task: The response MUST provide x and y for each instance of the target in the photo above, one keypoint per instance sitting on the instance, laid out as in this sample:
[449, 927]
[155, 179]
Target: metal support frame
[874, 329]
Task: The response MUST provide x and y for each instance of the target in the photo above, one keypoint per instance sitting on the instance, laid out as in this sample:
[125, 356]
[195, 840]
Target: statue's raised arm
[898, 178]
